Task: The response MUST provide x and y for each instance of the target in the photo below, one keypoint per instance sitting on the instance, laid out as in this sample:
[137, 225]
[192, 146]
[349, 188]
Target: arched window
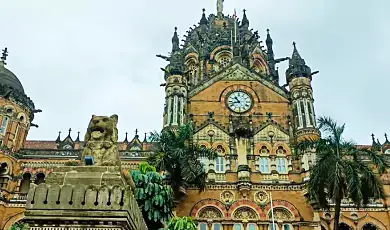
[25, 184]
[238, 227]
[4, 177]
[369, 227]
[217, 226]
[264, 164]
[3, 126]
[344, 226]
[273, 227]
[251, 226]
[202, 226]
[281, 164]
[219, 167]
[39, 179]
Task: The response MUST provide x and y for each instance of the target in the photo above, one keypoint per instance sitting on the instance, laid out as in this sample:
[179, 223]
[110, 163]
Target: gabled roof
[237, 72]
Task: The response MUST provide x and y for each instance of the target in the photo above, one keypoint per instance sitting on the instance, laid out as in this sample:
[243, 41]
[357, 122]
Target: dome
[7, 78]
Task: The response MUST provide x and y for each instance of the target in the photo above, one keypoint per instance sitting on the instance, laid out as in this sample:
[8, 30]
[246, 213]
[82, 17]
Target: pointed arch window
[3, 126]
[25, 184]
[264, 164]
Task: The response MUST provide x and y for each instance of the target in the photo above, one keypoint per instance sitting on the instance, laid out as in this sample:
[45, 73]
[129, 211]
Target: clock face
[239, 101]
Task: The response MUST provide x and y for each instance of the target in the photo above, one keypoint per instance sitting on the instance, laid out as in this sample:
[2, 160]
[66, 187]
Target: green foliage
[342, 170]
[72, 163]
[19, 226]
[181, 223]
[154, 198]
[179, 157]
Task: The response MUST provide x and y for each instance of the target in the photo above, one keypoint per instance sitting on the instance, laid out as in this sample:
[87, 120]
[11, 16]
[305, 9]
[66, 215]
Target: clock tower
[226, 83]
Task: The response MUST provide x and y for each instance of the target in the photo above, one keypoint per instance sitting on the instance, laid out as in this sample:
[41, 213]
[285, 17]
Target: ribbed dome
[7, 78]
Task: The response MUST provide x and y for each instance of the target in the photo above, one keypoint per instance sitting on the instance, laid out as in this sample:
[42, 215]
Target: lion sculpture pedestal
[98, 196]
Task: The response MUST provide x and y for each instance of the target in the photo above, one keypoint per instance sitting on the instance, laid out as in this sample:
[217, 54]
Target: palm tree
[342, 170]
[177, 155]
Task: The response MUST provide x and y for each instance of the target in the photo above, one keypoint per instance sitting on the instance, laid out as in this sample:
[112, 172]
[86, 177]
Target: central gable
[237, 72]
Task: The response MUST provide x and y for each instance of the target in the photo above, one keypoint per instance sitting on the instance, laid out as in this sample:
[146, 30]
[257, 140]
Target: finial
[4, 55]
[145, 140]
[175, 41]
[267, 31]
[245, 21]
[373, 137]
[175, 29]
[58, 140]
[203, 20]
[78, 137]
[295, 45]
[386, 137]
[70, 130]
[126, 141]
[136, 131]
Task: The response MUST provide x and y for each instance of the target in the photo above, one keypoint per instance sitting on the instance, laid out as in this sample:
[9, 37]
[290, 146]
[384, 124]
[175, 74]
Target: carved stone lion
[101, 141]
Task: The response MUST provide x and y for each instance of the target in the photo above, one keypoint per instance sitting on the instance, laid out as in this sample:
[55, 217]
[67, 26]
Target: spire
[69, 132]
[78, 137]
[375, 145]
[126, 140]
[145, 139]
[58, 140]
[175, 41]
[269, 44]
[136, 134]
[4, 57]
[386, 140]
[203, 20]
[245, 21]
[297, 66]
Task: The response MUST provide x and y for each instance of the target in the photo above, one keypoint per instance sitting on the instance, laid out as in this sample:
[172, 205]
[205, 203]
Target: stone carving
[245, 213]
[227, 197]
[210, 213]
[261, 197]
[101, 141]
[281, 213]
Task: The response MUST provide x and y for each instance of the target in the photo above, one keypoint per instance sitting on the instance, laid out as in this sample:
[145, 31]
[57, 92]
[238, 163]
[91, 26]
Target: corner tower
[16, 109]
[175, 87]
[299, 78]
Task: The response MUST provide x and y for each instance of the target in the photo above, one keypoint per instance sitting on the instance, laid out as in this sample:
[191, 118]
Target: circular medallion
[261, 197]
[239, 101]
[227, 197]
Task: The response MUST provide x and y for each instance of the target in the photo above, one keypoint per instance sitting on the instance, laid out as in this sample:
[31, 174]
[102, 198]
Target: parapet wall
[79, 196]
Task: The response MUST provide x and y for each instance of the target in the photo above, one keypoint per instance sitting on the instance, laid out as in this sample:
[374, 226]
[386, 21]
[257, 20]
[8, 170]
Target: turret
[299, 78]
[175, 87]
[16, 109]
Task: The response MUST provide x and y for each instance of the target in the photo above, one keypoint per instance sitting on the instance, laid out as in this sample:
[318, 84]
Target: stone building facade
[224, 81]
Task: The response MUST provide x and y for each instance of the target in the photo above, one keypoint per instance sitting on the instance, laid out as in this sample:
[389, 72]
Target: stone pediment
[262, 133]
[236, 72]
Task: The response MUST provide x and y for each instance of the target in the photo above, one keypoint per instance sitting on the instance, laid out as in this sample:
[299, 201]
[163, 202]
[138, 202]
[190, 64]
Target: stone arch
[213, 54]
[370, 220]
[281, 213]
[248, 203]
[210, 212]
[39, 178]
[13, 219]
[25, 182]
[245, 212]
[343, 220]
[344, 226]
[285, 204]
[284, 146]
[208, 202]
[259, 146]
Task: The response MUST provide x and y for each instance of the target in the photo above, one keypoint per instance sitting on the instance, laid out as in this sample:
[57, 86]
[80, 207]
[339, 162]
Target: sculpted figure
[101, 141]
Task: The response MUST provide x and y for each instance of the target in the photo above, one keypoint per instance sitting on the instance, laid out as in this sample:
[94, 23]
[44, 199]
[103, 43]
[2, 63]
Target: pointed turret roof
[245, 21]
[203, 20]
[175, 41]
[297, 66]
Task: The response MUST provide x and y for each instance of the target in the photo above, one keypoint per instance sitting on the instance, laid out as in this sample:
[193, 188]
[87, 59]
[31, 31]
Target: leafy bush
[19, 226]
[181, 223]
[154, 198]
[72, 163]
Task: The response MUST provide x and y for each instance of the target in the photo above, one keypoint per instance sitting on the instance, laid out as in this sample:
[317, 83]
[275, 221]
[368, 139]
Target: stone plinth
[96, 197]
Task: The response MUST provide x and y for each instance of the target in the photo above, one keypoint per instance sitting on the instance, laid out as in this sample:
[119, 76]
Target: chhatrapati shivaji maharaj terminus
[224, 81]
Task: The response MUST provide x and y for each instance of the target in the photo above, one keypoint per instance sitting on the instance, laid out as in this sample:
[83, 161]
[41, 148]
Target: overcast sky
[76, 58]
